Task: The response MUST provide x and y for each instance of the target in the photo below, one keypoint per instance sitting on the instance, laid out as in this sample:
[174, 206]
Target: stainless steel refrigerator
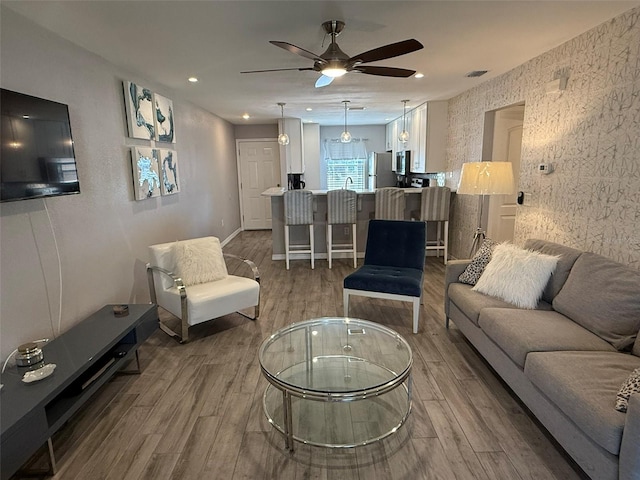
[379, 171]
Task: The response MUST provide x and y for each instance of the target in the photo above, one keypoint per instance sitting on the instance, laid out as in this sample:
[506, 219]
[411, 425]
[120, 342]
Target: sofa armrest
[452, 272]
[629, 464]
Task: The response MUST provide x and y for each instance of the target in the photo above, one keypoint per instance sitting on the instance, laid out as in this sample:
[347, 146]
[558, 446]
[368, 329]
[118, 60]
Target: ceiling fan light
[283, 139]
[334, 72]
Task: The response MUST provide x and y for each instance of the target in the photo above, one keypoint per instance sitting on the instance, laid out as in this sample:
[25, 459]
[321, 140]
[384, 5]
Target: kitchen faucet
[348, 179]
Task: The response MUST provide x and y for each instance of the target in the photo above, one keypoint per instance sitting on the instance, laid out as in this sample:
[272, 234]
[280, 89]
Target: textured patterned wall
[590, 132]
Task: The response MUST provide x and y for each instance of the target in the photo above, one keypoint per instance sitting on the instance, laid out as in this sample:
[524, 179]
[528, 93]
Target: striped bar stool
[298, 210]
[341, 210]
[435, 208]
[390, 203]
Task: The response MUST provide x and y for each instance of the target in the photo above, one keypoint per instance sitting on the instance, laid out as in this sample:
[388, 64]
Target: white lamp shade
[486, 178]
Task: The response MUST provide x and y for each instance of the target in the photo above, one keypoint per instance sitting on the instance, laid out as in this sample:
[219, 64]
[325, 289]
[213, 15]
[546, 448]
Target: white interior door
[259, 162]
[507, 146]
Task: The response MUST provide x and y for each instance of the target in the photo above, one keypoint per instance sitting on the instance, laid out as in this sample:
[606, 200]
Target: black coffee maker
[295, 181]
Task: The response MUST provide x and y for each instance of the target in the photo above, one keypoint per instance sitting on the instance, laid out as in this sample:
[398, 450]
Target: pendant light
[346, 136]
[283, 138]
[404, 135]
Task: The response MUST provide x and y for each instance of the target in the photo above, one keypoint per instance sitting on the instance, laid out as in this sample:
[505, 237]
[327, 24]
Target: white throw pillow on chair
[199, 260]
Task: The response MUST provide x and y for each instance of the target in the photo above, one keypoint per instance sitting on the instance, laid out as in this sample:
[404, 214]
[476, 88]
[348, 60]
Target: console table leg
[134, 371]
[52, 458]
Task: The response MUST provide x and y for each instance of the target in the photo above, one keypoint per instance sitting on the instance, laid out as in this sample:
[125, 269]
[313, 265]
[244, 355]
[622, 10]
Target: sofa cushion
[471, 303]
[518, 332]
[567, 256]
[636, 346]
[583, 385]
[604, 297]
[474, 270]
[516, 275]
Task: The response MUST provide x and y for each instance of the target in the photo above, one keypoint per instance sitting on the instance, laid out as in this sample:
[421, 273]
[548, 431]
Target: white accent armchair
[190, 279]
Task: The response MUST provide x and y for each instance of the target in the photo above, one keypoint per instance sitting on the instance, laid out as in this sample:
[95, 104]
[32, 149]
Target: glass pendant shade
[404, 135]
[346, 136]
[283, 138]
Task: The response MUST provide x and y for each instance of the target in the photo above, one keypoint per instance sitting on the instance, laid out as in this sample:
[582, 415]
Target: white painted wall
[103, 233]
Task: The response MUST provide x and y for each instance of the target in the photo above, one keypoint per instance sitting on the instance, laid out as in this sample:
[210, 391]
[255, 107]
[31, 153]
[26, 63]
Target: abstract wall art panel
[169, 172]
[163, 115]
[139, 105]
[146, 176]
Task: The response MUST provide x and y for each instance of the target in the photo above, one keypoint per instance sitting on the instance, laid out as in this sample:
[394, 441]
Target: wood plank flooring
[196, 409]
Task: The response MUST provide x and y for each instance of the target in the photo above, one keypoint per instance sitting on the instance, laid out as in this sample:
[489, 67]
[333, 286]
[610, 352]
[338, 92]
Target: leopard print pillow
[630, 385]
[472, 273]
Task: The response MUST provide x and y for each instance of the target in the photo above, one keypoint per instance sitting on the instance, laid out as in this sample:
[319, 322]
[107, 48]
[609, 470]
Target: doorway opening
[502, 142]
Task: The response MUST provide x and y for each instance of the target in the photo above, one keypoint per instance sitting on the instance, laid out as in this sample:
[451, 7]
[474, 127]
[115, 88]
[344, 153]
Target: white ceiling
[169, 41]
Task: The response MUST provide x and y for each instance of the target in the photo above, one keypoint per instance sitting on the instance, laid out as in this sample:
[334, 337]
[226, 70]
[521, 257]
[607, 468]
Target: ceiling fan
[335, 63]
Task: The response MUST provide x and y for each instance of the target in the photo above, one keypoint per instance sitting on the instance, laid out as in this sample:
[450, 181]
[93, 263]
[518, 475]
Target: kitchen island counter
[299, 235]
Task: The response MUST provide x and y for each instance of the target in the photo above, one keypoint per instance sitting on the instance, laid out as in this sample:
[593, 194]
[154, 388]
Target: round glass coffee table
[336, 382]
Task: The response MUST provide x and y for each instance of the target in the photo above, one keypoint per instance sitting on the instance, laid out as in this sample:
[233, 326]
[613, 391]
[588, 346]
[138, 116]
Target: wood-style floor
[196, 409]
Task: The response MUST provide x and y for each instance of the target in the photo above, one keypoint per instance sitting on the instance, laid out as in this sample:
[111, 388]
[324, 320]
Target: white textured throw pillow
[516, 275]
[199, 260]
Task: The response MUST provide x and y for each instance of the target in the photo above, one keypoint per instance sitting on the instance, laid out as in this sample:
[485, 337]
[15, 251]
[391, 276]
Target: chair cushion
[396, 243]
[583, 385]
[602, 296]
[518, 332]
[212, 300]
[394, 280]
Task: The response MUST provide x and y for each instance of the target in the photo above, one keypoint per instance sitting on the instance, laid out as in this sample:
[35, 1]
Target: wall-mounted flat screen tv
[36, 157]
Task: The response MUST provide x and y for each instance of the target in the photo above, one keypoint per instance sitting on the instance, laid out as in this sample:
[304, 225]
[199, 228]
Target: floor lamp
[484, 178]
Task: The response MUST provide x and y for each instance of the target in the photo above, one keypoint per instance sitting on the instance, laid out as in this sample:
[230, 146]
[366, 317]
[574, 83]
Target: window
[344, 160]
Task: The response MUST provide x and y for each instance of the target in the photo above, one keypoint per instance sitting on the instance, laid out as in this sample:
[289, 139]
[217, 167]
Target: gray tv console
[86, 356]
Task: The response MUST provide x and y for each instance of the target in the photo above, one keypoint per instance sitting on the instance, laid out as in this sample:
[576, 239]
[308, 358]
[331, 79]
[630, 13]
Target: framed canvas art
[146, 178]
[169, 172]
[139, 106]
[163, 116]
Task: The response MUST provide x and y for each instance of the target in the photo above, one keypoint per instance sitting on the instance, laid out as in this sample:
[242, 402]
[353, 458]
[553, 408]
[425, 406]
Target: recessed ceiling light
[193, 79]
[308, 109]
[25, 116]
[419, 75]
[246, 116]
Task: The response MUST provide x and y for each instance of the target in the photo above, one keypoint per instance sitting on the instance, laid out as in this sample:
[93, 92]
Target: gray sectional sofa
[567, 359]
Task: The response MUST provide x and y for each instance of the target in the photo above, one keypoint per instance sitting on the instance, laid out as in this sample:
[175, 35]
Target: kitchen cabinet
[391, 136]
[293, 154]
[430, 127]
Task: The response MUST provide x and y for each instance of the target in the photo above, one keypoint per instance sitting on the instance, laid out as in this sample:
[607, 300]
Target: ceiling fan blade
[278, 70]
[384, 71]
[323, 81]
[387, 51]
[298, 51]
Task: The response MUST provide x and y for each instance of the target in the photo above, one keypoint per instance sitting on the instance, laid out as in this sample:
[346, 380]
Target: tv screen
[36, 156]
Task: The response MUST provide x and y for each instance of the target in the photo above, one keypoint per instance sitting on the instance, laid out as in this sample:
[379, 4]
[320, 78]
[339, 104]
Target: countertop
[279, 191]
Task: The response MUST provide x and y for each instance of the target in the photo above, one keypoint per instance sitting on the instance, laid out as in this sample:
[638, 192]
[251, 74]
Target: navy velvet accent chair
[393, 265]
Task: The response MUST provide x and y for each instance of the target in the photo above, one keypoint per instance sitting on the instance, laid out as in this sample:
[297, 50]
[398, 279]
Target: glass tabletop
[335, 357]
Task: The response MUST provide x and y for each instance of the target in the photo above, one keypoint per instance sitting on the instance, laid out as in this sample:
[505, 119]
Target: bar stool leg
[446, 241]
[438, 239]
[355, 248]
[286, 245]
[329, 233]
[311, 241]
